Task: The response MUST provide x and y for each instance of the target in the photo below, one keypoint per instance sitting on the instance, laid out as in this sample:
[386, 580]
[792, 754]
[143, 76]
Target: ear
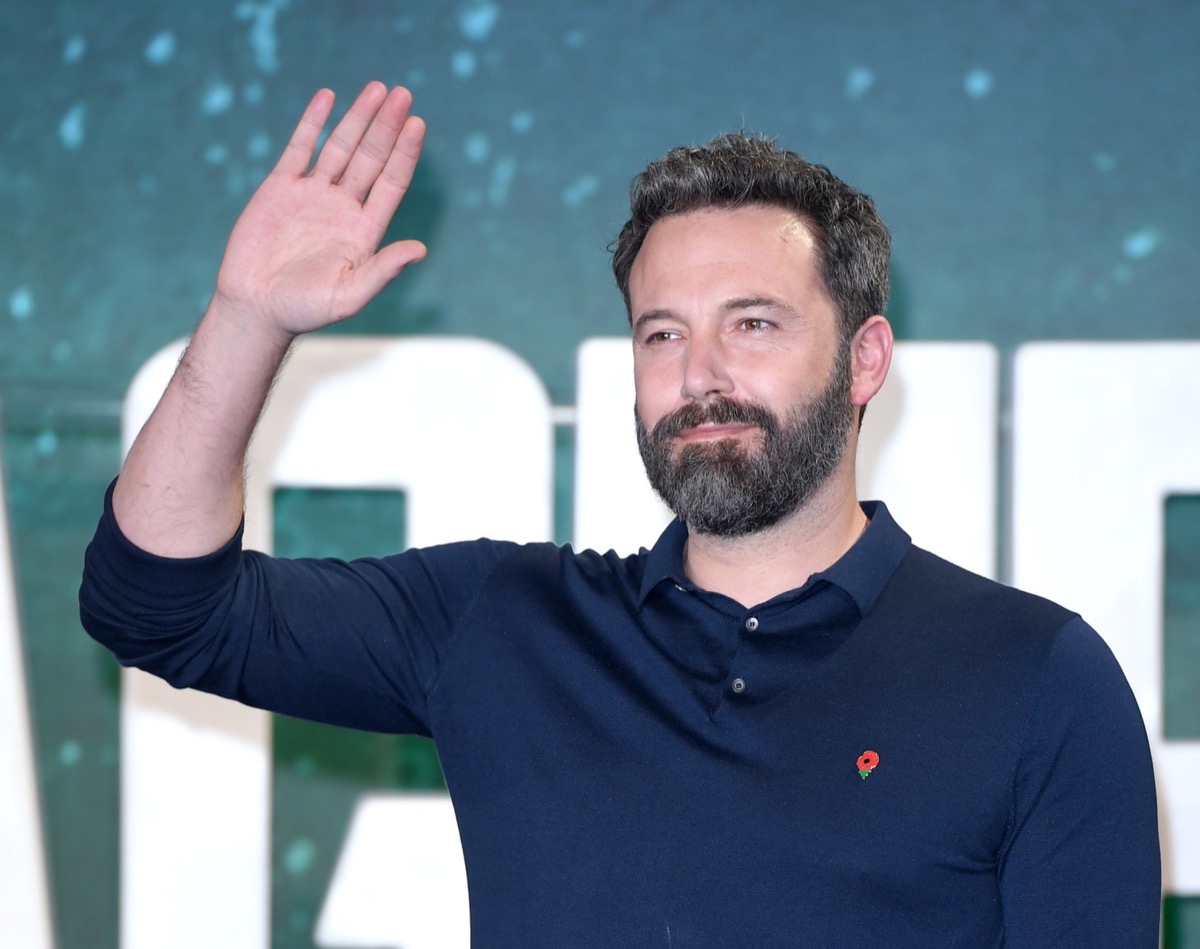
[870, 357]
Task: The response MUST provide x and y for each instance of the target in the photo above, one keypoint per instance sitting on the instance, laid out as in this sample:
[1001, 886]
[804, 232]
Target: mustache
[717, 412]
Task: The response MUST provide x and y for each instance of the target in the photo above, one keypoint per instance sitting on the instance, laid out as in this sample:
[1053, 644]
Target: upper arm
[1081, 860]
[353, 644]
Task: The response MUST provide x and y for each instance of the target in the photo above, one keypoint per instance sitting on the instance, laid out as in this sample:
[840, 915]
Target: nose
[705, 370]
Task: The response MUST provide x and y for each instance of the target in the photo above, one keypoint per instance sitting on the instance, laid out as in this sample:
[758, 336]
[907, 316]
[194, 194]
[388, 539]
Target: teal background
[1036, 162]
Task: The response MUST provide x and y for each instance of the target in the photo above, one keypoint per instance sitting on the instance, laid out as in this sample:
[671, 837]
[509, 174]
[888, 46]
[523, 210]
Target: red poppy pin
[866, 763]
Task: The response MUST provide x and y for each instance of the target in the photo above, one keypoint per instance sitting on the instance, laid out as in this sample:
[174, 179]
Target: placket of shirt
[784, 642]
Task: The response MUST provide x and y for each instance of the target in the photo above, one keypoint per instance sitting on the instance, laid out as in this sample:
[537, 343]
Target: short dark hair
[734, 170]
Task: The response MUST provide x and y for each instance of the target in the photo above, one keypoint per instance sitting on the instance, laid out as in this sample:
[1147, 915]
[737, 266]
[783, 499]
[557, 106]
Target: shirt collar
[862, 571]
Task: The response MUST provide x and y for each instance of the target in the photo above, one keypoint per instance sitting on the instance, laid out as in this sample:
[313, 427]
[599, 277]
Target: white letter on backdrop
[1103, 433]
[24, 898]
[415, 415]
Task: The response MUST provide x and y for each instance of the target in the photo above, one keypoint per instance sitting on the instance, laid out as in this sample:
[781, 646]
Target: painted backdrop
[1036, 162]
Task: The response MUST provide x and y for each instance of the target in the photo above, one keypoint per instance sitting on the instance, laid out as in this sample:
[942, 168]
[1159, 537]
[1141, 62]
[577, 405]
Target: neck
[756, 567]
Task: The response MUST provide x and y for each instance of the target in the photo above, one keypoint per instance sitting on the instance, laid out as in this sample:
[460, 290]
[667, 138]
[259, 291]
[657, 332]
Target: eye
[660, 336]
[755, 324]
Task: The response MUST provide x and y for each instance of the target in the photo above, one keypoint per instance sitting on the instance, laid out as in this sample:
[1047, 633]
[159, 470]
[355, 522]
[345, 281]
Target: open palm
[305, 251]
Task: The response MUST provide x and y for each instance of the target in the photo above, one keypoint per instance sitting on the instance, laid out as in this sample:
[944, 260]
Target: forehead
[753, 248]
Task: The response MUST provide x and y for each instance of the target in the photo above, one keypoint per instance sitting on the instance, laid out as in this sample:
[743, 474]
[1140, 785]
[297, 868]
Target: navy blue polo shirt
[899, 753]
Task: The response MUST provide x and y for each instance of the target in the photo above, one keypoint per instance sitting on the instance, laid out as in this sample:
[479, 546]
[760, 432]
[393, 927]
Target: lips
[713, 431]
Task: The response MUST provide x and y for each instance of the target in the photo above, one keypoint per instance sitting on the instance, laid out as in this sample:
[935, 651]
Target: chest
[790, 737]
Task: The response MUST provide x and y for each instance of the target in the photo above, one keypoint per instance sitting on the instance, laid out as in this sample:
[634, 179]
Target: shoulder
[994, 642]
[1012, 646]
[518, 565]
[926, 586]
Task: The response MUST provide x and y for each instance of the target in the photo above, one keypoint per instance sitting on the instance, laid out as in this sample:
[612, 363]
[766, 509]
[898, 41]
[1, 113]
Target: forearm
[304, 254]
[180, 492]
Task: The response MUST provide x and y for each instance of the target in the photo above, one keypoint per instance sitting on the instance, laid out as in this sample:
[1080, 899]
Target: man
[783, 725]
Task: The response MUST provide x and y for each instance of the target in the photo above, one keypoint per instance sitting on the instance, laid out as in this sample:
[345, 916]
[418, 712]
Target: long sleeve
[1081, 864]
[348, 643]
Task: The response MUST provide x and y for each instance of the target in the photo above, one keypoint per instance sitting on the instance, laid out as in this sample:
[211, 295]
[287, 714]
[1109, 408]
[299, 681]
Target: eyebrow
[757, 303]
[650, 316]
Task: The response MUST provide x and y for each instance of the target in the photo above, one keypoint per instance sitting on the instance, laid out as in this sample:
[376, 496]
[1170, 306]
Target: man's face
[743, 406]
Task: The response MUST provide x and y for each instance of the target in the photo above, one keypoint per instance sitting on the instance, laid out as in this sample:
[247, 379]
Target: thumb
[381, 269]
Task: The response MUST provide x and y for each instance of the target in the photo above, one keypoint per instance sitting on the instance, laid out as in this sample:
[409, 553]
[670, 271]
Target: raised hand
[305, 251]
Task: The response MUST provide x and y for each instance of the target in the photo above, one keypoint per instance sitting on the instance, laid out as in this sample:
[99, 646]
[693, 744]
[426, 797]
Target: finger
[377, 143]
[299, 151]
[395, 177]
[344, 139]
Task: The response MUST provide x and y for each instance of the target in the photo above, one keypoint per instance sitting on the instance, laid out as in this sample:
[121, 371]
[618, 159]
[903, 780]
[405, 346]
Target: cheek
[787, 385]
[655, 394]
[647, 415]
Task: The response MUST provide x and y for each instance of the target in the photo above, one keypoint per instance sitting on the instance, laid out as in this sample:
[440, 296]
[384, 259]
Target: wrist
[246, 325]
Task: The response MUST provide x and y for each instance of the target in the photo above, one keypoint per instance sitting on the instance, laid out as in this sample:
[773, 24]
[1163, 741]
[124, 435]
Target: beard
[727, 489]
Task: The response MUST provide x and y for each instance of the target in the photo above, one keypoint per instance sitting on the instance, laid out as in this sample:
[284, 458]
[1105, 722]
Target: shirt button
[739, 684]
[752, 624]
